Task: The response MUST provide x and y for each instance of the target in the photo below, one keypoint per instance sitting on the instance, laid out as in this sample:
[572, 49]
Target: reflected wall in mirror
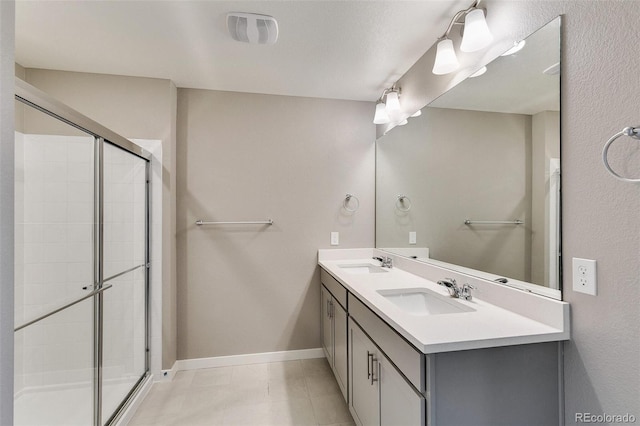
[488, 150]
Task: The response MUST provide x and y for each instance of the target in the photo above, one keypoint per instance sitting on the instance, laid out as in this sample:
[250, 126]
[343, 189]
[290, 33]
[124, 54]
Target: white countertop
[488, 325]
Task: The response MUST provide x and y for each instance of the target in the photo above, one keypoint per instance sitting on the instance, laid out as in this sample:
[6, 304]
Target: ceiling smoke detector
[252, 28]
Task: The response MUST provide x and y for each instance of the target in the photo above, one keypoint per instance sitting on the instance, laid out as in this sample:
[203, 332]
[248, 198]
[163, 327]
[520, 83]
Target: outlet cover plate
[335, 238]
[584, 276]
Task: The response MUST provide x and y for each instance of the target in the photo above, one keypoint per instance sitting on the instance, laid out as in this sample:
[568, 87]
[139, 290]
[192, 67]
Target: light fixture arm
[391, 89]
[457, 16]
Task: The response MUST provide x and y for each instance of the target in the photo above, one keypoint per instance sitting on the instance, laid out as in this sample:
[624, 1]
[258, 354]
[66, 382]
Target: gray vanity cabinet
[392, 383]
[327, 324]
[379, 395]
[364, 389]
[400, 404]
[334, 330]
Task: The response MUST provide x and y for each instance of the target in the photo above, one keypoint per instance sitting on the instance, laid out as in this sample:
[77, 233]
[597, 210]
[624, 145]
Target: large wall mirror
[473, 184]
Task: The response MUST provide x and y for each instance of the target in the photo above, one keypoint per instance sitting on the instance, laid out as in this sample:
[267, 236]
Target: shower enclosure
[82, 262]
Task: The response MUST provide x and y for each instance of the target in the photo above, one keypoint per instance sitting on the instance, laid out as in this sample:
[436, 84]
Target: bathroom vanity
[405, 353]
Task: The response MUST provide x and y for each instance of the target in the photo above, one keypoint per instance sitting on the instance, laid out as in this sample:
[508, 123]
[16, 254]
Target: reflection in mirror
[480, 170]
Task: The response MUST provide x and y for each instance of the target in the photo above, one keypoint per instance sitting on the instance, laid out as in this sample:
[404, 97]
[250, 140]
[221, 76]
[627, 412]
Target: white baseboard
[226, 361]
[166, 375]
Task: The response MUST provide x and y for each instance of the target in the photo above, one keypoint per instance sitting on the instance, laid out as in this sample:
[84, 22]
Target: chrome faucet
[455, 291]
[386, 262]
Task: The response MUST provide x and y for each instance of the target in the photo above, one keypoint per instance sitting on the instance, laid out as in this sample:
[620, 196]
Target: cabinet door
[340, 346]
[364, 400]
[327, 324]
[400, 404]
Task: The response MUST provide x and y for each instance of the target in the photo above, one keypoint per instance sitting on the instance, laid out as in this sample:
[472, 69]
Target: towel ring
[400, 202]
[633, 132]
[345, 203]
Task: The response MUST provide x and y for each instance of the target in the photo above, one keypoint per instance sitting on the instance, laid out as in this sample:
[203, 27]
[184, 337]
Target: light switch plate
[412, 237]
[335, 238]
[584, 276]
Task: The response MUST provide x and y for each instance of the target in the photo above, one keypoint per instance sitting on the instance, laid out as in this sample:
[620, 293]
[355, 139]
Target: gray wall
[600, 88]
[253, 289]
[140, 108]
[453, 171]
[7, 91]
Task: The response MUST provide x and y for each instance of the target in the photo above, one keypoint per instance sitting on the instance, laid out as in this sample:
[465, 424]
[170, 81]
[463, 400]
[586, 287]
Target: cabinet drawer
[337, 290]
[406, 358]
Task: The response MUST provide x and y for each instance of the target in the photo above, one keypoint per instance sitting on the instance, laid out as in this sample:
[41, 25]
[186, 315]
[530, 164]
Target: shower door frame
[39, 100]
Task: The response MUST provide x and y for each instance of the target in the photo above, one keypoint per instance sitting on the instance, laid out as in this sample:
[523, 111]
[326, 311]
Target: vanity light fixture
[418, 113]
[476, 36]
[381, 116]
[388, 106]
[476, 32]
[446, 59]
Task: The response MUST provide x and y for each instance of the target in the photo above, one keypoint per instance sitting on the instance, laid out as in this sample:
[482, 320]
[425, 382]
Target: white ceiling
[327, 49]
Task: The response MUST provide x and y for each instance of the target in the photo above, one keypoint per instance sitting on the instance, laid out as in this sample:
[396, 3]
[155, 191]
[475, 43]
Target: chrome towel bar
[633, 132]
[253, 222]
[493, 222]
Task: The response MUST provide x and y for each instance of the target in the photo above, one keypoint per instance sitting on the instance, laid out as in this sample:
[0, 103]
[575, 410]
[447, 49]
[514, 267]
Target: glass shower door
[54, 264]
[125, 252]
[81, 281]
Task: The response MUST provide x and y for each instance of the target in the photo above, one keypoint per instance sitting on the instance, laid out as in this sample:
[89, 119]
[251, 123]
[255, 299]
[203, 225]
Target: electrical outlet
[412, 237]
[335, 238]
[584, 276]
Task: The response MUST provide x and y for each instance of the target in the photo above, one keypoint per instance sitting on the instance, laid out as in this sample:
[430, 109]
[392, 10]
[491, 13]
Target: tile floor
[296, 393]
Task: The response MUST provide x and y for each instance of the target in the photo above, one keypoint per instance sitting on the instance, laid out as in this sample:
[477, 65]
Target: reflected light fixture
[475, 36]
[418, 113]
[388, 106]
[479, 72]
[517, 46]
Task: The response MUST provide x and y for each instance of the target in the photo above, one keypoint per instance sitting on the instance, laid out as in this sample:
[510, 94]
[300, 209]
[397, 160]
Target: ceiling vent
[252, 28]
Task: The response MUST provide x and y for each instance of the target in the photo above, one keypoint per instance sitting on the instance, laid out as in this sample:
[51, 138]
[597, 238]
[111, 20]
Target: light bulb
[393, 105]
[381, 116]
[476, 32]
[446, 60]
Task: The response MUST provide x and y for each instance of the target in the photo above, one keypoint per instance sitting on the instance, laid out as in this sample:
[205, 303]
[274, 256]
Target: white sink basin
[362, 268]
[421, 301]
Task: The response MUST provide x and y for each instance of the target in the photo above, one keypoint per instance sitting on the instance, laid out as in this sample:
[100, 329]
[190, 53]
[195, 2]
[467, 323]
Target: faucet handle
[466, 291]
[447, 282]
[452, 287]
